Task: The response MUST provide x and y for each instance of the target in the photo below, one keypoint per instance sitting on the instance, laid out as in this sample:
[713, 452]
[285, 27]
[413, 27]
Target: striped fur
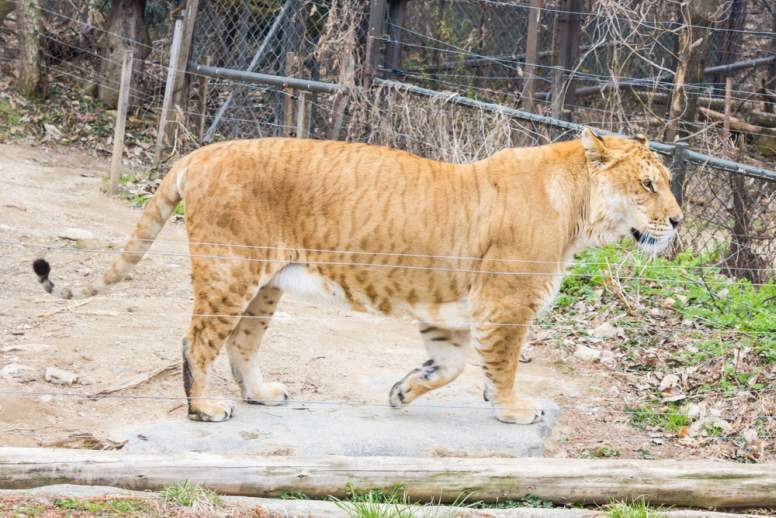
[464, 248]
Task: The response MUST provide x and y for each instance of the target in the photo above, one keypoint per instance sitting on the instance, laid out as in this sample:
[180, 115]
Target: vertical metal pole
[204, 87]
[161, 135]
[121, 121]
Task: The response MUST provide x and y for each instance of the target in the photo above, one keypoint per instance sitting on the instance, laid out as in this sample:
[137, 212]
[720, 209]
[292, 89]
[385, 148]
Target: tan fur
[387, 231]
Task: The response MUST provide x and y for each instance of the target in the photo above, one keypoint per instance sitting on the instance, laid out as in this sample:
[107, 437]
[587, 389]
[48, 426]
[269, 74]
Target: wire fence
[471, 47]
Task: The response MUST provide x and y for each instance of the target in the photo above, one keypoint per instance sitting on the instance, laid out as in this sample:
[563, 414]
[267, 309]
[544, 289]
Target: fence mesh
[623, 72]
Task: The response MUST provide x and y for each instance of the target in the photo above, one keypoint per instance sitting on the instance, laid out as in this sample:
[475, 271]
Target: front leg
[501, 323]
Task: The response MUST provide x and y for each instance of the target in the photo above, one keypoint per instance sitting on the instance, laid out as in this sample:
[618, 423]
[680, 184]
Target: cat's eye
[648, 185]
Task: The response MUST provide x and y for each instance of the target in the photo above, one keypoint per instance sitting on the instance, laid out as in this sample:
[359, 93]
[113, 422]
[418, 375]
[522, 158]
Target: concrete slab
[457, 430]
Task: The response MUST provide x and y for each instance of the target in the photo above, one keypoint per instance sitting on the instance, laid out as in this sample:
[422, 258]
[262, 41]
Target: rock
[668, 382]
[749, 435]
[586, 353]
[607, 330]
[668, 302]
[52, 133]
[75, 234]
[60, 376]
[16, 370]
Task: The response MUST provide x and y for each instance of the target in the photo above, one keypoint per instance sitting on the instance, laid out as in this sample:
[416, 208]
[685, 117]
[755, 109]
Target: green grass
[700, 291]
[29, 511]
[187, 494]
[636, 509]
[601, 452]
[9, 117]
[668, 418]
[106, 507]
[376, 503]
[293, 495]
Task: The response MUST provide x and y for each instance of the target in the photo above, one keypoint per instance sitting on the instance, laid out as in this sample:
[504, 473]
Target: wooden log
[121, 121]
[735, 123]
[594, 481]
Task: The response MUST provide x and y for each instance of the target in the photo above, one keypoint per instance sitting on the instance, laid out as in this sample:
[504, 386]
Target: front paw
[211, 411]
[399, 395]
[522, 411]
[269, 394]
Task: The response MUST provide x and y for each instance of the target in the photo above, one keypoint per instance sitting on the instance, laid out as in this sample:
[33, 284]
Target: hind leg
[448, 349]
[243, 349]
[222, 292]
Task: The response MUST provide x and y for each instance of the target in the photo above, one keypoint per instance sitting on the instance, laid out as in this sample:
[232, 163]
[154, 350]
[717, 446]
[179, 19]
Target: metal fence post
[678, 169]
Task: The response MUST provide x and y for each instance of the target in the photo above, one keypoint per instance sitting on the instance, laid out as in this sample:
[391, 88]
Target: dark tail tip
[42, 269]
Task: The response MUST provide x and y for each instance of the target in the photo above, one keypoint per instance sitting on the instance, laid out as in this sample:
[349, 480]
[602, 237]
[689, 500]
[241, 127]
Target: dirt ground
[320, 353]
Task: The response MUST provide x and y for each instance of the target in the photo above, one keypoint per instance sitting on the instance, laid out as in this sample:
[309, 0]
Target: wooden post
[693, 483]
[566, 58]
[341, 99]
[167, 109]
[374, 34]
[531, 55]
[32, 73]
[397, 11]
[728, 98]
[303, 114]
[678, 169]
[121, 121]
[288, 97]
[182, 78]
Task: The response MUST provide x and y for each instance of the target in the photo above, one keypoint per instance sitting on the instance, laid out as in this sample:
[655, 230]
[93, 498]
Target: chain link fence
[475, 48]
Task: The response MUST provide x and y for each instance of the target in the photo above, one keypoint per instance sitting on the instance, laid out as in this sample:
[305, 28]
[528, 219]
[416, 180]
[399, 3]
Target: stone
[607, 330]
[668, 382]
[424, 429]
[587, 354]
[60, 376]
[17, 371]
[75, 234]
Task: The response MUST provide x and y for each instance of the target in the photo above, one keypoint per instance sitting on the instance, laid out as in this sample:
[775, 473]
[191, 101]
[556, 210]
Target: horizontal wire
[578, 74]
[672, 23]
[374, 317]
[365, 265]
[296, 404]
[429, 256]
[600, 78]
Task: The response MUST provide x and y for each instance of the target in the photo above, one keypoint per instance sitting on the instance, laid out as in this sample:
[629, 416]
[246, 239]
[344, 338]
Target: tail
[151, 222]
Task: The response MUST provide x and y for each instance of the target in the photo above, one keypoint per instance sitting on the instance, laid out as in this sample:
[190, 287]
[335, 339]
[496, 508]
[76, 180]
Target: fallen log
[688, 483]
[735, 123]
